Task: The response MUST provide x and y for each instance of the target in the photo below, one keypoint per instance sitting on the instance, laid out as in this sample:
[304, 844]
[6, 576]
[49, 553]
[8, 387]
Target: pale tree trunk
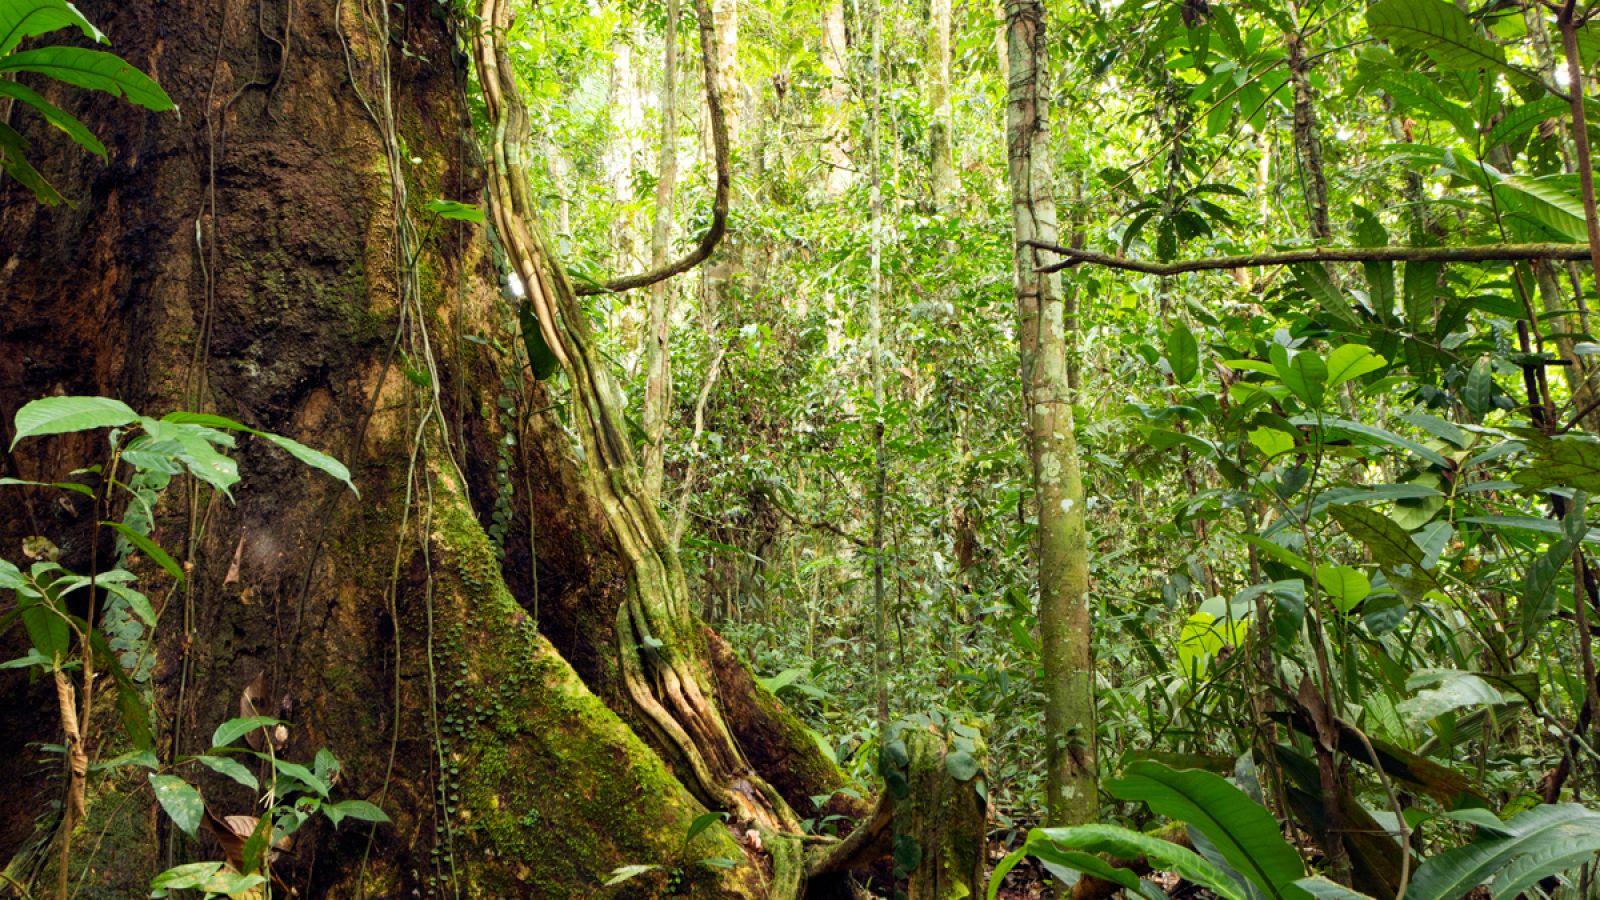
[836, 102]
[880, 601]
[942, 162]
[1072, 770]
[658, 359]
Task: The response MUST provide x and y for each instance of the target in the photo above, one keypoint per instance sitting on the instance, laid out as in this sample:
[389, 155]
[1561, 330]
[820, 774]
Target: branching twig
[719, 145]
[1480, 253]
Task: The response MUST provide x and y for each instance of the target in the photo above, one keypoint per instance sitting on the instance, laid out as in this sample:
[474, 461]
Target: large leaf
[13, 150]
[1066, 846]
[55, 115]
[59, 415]
[1538, 599]
[1439, 29]
[22, 19]
[1569, 462]
[316, 459]
[92, 69]
[1183, 353]
[1246, 834]
[180, 800]
[1549, 834]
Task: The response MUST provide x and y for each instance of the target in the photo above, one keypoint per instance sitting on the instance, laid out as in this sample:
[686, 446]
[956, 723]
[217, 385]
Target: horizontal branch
[1480, 253]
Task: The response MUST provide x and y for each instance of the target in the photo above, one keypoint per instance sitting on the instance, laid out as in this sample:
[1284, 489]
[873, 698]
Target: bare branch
[719, 145]
[1480, 253]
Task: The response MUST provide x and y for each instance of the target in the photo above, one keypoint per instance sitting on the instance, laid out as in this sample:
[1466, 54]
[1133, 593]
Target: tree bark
[261, 257]
[942, 163]
[658, 358]
[1072, 770]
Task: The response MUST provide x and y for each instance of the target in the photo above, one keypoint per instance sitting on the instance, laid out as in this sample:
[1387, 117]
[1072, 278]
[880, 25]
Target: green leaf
[1382, 436]
[316, 459]
[60, 415]
[1562, 462]
[1439, 29]
[1244, 833]
[1550, 834]
[1271, 442]
[301, 774]
[1421, 287]
[184, 877]
[1441, 691]
[56, 116]
[1347, 586]
[701, 823]
[455, 210]
[1538, 600]
[92, 69]
[961, 765]
[180, 800]
[13, 150]
[1518, 122]
[149, 548]
[1305, 374]
[1546, 202]
[1114, 840]
[541, 359]
[1313, 279]
[1390, 544]
[624, 873]
[354, 809]
[1479, 390]
[22, 19]
[1183, 353]
[232, 768]
[1323, 889]
[233, 729]
[1350, 361]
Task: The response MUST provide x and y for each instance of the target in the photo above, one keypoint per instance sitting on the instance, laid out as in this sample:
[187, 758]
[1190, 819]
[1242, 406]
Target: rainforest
[925, 449]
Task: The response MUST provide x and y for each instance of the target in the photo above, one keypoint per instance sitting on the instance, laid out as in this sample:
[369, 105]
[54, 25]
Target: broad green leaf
[1390, 544]
[1347, 586]
[92, 69]
[22, 19]
[232, 768]
[354, 809]
[1421, 286]
[1441, 691]
[1116, 841]
[1479, 390]
[1352, 361]
[1547, 202]
[455, 210]
[1538, 600]
[1562, 462]
[1244, 833]
[233, 729]
[55, 115]
[541, 359]
[1183, 353]
[301, 774]
[1313, 279]
[961, 765]
[149, 548]
[316, 459]
[1523, 119]
[180, 800]
[60, 415]
[1438, 28]
[1303, 372]
[1271, 442]
[184, 877]
[1381, 435]
[1565, 827]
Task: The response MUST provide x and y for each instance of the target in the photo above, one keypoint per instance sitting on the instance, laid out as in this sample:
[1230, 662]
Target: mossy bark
[260, 257]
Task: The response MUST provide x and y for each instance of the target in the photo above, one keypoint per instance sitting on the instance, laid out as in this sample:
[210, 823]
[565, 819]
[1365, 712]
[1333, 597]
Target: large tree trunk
[260, 257]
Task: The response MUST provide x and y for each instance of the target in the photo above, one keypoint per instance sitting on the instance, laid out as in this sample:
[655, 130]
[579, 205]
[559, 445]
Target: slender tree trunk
[658, 359]
[1072, 770]
[836, 102]
[1308, 136]
[942, 163]
[880, 600]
